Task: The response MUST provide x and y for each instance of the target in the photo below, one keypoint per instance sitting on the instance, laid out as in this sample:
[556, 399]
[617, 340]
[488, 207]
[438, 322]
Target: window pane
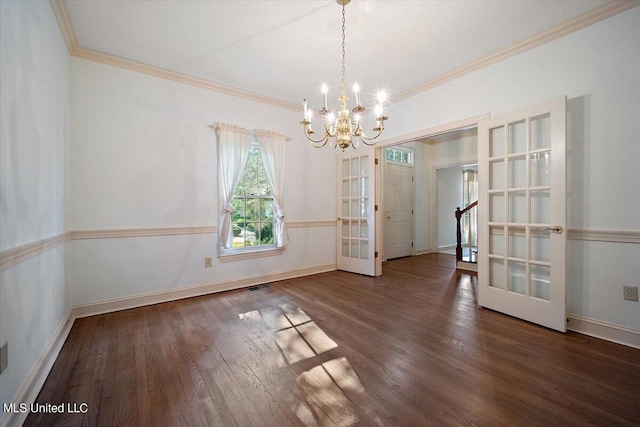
[238, 213]
[253, 209]
[266, 234]
[267, 210]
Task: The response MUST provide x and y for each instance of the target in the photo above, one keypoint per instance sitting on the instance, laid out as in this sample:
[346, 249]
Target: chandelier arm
[322, 140]
[364, 138]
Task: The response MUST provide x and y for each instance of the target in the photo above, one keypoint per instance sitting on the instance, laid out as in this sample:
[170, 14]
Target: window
[398, 155]
[253, 216]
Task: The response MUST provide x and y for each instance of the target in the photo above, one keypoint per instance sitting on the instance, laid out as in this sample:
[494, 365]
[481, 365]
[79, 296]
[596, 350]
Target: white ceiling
[286, 49]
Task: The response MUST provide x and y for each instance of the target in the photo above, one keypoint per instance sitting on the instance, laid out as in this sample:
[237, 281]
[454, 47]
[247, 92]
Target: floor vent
[258, 288]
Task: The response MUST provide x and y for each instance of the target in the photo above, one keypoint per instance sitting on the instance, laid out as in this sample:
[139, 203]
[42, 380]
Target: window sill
[244, 254]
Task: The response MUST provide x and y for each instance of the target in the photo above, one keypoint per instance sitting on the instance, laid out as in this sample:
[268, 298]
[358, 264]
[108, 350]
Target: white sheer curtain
[272, 146]
[234, 143]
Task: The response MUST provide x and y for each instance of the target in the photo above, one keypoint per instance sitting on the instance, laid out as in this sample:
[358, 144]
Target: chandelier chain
[344, 92]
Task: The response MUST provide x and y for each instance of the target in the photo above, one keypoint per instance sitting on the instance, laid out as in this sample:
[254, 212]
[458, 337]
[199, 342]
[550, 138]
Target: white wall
[421, 173]
[597, 68]
[448, 198]
[34, 129]
[143, 156]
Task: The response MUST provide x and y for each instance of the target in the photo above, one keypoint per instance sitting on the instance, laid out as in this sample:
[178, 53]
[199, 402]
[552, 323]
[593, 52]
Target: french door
[356, 212]
[522, 214]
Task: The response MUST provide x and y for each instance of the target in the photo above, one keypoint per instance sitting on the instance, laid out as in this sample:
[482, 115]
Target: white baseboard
[193, 291]
[31, 386]
[604, 330]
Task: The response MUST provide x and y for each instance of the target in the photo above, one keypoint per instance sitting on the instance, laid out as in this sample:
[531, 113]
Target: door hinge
[376, 208]
[411, 244]
[411, 211]
[376, 161]
[376, 254]
[411, 179]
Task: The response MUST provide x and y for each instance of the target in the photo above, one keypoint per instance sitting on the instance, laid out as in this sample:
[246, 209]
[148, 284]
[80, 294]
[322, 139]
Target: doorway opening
[432, 149]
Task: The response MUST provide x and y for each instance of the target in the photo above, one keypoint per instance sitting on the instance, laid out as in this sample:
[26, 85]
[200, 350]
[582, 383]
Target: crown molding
[66, 28]
[596, 15]
[150, 70]
[64, 23]
[601, 13]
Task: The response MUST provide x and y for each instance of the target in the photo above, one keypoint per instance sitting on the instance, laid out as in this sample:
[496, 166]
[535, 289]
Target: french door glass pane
[364, 249]
[354, 187]
[517, 137]
[496, 273]
[496, 142]
[345, 248]
[355, 166]
[355, 208]
[345, 168]
[496, 175]
[517, 172]
[541, 169]
[540, 280]
[541, 207]
[496, 207]
[364, 208]
[517, 277]
[496, 241]
[364, 166]
[517, 243]
[540, 245]
[517, 207]
[364, 228]
[345, 188]
[541, 132]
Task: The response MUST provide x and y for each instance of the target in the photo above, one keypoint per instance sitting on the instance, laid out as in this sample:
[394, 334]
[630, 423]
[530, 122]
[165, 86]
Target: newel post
[458, 235]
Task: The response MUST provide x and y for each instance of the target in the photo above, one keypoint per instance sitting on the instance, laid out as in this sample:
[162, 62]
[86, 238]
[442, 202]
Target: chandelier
[345, 129]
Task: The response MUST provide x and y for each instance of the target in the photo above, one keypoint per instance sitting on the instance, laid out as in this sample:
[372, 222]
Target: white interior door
[398, 210]
[356, 212]
[522, 216]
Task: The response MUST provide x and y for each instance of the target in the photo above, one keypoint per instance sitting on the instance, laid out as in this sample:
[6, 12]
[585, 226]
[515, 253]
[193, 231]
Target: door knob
[556, 229]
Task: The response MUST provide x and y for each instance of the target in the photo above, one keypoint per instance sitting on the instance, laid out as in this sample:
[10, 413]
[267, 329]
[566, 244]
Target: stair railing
[459, 214]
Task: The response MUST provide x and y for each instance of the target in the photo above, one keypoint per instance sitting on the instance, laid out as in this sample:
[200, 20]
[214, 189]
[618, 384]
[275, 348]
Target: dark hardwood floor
[410, 348]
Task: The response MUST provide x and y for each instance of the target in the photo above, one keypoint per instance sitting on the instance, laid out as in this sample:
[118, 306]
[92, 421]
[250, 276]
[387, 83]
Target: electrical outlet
[631, 293]
[4, 356]
[207, 262]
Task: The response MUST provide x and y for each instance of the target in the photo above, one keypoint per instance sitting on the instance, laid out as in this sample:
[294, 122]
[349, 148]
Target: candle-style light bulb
[331, 118]
[304, 106]
[325, 90]
[378, 110]
[357, 118]
[381, 96]
[356, 89]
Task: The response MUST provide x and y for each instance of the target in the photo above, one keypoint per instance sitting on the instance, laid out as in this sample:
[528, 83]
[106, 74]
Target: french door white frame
[517, 205]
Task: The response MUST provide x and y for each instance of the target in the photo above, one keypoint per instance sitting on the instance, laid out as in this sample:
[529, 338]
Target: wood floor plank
[409, 348]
